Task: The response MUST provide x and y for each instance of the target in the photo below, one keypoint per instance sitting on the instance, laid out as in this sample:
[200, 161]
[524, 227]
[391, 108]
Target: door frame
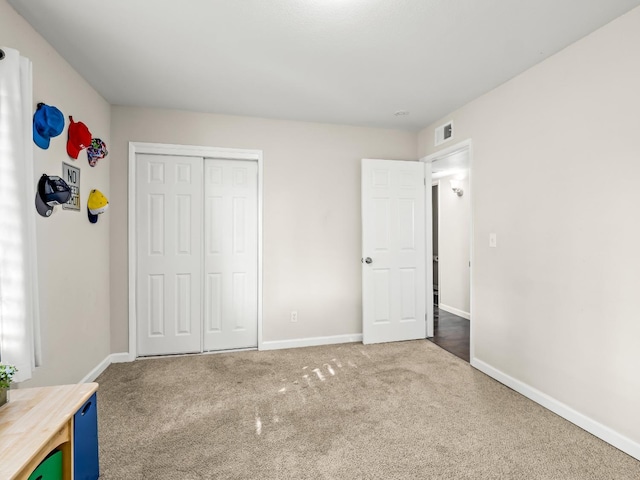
[445, 152]
[184, 151]
[436, 183]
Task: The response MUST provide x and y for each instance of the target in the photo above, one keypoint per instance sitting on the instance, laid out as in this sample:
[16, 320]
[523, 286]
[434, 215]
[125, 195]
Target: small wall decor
[79, 138]
[97, 203]
[71, 175]
[48, 122]
[96, 151]
[52, 191]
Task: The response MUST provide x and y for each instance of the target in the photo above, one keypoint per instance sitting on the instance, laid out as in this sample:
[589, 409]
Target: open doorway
[451, 255]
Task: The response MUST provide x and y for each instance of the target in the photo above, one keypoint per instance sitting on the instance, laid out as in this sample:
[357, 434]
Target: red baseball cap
[79, 138]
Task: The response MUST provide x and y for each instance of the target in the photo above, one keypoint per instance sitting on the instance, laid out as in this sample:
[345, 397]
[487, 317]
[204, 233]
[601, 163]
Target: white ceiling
[337, 61]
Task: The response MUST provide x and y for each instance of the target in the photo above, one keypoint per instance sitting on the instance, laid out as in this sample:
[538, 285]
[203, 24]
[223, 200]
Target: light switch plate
[493, 240]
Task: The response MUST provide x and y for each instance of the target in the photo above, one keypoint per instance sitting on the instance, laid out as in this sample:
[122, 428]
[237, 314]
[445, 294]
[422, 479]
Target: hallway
[451, 333]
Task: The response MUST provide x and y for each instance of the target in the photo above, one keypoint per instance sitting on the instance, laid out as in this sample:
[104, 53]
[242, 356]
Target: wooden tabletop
[32, 417]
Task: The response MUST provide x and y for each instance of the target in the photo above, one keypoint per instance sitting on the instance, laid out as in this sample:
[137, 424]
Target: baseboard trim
[601, 431]
[455, 311]
[121, 357]
[311, 342]
[98, 369]
[102, 366]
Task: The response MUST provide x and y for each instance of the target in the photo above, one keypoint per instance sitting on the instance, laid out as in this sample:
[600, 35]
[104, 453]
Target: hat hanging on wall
[96, 151]
[97, 203]
[79, 138]
[52, 191]
[48, 122]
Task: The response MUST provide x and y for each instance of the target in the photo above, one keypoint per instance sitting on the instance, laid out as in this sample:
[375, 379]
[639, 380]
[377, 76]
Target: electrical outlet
[294, 316]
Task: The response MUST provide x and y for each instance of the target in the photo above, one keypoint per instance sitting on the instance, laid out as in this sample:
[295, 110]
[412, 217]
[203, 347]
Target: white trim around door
[438, 184]
[189, 151]
[445, 152]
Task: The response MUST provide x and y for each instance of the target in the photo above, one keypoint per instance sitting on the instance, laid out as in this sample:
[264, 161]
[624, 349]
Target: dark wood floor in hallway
[451, 332]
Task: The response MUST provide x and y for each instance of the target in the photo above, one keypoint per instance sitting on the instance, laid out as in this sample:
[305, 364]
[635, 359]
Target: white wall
[73, 254]
[454, 246]
[312, 227]
[555, 169]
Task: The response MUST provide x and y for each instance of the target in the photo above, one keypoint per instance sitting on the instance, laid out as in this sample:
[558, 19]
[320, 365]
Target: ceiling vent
[444, 133]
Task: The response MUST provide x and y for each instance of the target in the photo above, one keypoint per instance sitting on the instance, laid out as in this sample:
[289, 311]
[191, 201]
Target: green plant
[6, 374]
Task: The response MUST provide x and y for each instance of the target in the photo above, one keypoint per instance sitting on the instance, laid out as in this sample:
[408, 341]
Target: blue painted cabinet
[85, 441]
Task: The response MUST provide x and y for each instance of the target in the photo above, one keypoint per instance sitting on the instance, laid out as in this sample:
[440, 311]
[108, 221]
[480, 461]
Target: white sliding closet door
[169, 254]
[230, 254]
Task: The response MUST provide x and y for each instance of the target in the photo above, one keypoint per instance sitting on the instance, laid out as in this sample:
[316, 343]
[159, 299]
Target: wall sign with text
[71, 175]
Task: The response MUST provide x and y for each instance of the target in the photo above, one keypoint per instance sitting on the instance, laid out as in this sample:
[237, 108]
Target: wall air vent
[444, 133]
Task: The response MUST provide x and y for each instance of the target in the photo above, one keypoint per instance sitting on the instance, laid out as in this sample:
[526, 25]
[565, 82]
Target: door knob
[368, 260]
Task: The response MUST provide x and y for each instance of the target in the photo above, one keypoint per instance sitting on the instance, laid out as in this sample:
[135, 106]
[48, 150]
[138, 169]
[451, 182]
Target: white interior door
[169, 254]
[230, 254]
[394, 271]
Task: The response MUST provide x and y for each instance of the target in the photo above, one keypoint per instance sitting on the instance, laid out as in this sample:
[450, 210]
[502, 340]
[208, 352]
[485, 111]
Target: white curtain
[19, 307]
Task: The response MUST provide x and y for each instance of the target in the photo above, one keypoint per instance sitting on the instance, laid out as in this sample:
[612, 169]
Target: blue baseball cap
[48, 122]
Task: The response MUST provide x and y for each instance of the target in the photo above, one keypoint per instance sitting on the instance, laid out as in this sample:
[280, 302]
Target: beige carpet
[396, 411]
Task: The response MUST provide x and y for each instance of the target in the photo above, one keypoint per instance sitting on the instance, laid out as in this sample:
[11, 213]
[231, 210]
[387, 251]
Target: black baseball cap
[52, 191]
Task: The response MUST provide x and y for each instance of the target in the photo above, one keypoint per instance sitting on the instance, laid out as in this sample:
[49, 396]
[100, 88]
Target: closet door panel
[169, 254]
[231, 254]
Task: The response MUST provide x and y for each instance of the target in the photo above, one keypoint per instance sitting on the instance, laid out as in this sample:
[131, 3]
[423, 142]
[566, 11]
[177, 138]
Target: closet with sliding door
[196, 254]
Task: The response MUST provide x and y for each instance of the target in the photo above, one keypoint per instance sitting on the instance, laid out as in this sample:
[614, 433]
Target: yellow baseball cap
[97, 203]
